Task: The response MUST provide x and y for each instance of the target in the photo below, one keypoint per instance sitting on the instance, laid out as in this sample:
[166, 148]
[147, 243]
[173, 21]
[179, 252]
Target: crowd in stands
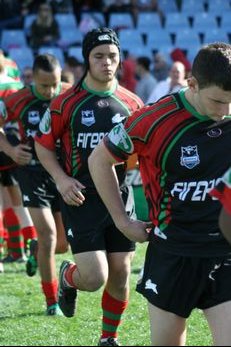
[164, 31]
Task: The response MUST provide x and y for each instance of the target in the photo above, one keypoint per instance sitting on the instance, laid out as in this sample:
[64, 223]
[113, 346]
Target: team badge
[120, 138]
[45, 124]
[189, 157]
[88, 118]
[33, 117]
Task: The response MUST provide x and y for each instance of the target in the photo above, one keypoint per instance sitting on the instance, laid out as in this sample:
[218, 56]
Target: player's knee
[94, 282]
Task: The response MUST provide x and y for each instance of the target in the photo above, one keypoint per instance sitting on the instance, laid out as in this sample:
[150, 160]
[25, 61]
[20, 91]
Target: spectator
[80, 6]
[161, 67]
[74, 66]
[178, 55]
[172, 84]
[10, 66]
[67, 76]
[146, 82]
[44, 30]
[127, 74]
[112, 6]
[27, 76]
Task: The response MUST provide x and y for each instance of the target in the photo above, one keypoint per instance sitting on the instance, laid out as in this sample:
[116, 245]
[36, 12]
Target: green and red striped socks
[15, 242]
[112, 312]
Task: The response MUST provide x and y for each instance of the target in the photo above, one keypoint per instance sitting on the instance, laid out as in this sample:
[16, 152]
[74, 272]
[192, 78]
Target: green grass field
[23, 323]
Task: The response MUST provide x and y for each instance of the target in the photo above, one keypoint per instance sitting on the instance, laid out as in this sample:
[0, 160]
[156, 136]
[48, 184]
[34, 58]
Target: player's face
[104, 61]
[215, 102]
[46, 83]
[212, 101]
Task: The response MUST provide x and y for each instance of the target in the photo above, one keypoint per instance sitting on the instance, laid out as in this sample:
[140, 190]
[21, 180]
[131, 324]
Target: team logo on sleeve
[45, 124]
[120, 138]
[3, 112]
[189, 157]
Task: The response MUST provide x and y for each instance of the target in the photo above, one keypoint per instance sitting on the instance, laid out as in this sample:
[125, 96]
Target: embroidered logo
[88, 118]
[189, 157]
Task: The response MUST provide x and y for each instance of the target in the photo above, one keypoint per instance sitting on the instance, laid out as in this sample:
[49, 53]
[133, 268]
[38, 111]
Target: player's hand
[135, 230]
[21, 154]
[70, 189]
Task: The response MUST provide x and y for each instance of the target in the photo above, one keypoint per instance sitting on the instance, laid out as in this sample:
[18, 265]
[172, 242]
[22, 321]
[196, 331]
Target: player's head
[210, 83]
[47, 75]
[98, 37]
[212, 66]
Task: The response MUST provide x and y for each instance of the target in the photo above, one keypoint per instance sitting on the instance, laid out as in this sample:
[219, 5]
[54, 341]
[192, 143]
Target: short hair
[46, 62]
[144, 61]
[212, 66]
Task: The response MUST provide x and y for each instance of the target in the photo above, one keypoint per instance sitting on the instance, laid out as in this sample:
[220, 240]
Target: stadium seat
[158, 37]
[23, 56]
[13, 39]
[175, 21]
[204, 21]
[98, 17]
[214, 35]
[66, 20]
[75, 52]
[190, 7]
[167, 6]
[148, 20]
[219, 6]
[186, 38]
[70, 37]
[121, 20]
[130, 36]
[225, 21]
[28, 20]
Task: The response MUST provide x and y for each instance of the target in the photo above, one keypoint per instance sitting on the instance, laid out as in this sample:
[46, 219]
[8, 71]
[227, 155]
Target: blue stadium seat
[121, 20]
[225, 21]
[186, 38]
[167, 6]
[28, 20]
[190, 7]
[219, 6]
[13, 39]
[23, 56]
[158, 37]
[70, 37]
[203, 21]
[175, 21]
[76, 52]
[98, 17]
[148, 20]
[214, 35]
[66, 20]
[130, 36]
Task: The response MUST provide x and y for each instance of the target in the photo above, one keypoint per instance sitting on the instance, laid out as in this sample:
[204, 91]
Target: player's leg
[46, 229]
[167, 329]
[61, 240]
[27, 228]
[219, 319]
[12, 223]
[115, 296]
[1, 229]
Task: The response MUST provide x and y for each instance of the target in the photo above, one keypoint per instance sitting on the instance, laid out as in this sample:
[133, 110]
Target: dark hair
[212, 66]
[46, 62]
[144, 61]
[97, 37]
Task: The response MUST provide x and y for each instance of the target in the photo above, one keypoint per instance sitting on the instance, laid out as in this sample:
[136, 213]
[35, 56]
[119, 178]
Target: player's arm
[101, 166]
[20, 153]
[225, 224]
[223, 193]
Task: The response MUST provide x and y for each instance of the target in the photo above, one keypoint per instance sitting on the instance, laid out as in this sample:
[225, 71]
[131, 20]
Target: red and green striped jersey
[7, 88]
[80, 119]
[182, 156]
[223, 191]
[27, 108]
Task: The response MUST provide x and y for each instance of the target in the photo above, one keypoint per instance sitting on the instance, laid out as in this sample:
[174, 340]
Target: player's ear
[193, 84]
